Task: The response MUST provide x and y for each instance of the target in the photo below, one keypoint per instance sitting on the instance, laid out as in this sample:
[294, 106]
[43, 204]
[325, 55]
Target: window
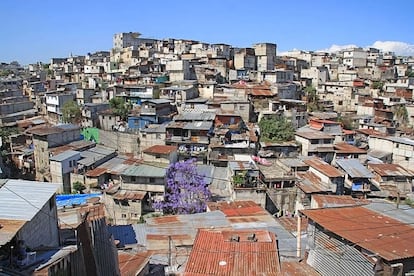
[157, 156]
[242, 107]
[158, 136]
[340, 102]
[151, 180]
[407, 158]
[110, 118]
[133, 178]
[123, 215]
[144, 135]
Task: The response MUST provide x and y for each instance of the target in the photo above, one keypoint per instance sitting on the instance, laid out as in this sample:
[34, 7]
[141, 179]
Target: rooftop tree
[186, 191]
[276, 130]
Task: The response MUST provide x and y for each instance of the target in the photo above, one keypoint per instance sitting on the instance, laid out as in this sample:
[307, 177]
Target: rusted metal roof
[323, 167]
[261, 92]
[311, 135]
[96, 172]
[160, 149]
[237, 208]
[291, 224]
[370, 132]
[9, 229]
[214, 253]
[325, 201]
[129, 195]
[132, 263]
[379, 234]
[390, 170]
[347, 148]
[298, 268]
[310, 183]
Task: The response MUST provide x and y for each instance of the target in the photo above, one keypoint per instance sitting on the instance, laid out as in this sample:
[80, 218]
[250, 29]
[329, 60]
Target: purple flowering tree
[186, 191]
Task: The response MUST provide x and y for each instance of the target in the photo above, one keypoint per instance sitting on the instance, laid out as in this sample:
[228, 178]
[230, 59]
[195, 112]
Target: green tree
[312, 98]
[347, 122]
[276, 130]
[401, 114]
[71, 113]
[78, 186]
[120, 107]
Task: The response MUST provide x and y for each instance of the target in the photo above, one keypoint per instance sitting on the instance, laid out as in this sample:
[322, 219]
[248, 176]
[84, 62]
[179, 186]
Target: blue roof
[75, 199]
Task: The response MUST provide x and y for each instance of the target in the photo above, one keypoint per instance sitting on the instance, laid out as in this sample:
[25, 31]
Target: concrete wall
[123, 142]
[249, 194]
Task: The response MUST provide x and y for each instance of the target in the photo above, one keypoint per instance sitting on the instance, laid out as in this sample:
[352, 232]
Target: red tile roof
[385, 236]
[214, 253]
[370, 132]
[160, 149]
[323, 167]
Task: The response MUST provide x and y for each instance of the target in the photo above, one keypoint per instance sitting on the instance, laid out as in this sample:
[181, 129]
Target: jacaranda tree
[186, 191]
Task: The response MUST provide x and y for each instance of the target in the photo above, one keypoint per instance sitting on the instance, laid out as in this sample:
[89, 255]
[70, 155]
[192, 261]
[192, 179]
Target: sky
[37, 30]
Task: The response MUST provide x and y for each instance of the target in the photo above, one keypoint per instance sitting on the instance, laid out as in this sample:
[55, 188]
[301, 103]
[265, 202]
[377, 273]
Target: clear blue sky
[36, 30]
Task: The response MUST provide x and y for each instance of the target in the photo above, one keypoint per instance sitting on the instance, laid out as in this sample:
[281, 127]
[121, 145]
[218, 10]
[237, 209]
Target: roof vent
[252, 237]
[235, 238]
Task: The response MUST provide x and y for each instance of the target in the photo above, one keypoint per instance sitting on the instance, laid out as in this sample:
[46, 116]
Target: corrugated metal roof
[294, 268]
[375, 232]
[312, 135]
[214, 254]
[22, 199]
[347, 148]
[237, 208]
[64, 155]
[160, 149]
[328, 201]
[9, 229]
[354, 168]
[323, 167]
[199, 125]
[195, 116]
[144, 171]
[132, 263]
[390, 170]
[129, 195]
[310, 183]
[404, 213]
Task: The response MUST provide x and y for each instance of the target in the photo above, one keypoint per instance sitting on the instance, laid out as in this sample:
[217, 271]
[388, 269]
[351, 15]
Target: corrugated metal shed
[375, 232]
[64, 155]
[144, 171]
[330, 256]
[214, 253]
[311, 183]
[22, 199]
[328, 201]
[354, 168]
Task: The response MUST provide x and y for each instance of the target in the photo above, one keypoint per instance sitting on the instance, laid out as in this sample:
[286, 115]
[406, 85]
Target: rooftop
[215, 253]
[323, 167]
[375, 232]
[160, 149]
[354, 168]
[347, 148]
[312, 135]
[390, 170]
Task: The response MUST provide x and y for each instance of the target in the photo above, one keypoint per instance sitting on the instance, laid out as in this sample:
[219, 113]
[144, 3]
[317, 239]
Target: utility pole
[298, 237]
